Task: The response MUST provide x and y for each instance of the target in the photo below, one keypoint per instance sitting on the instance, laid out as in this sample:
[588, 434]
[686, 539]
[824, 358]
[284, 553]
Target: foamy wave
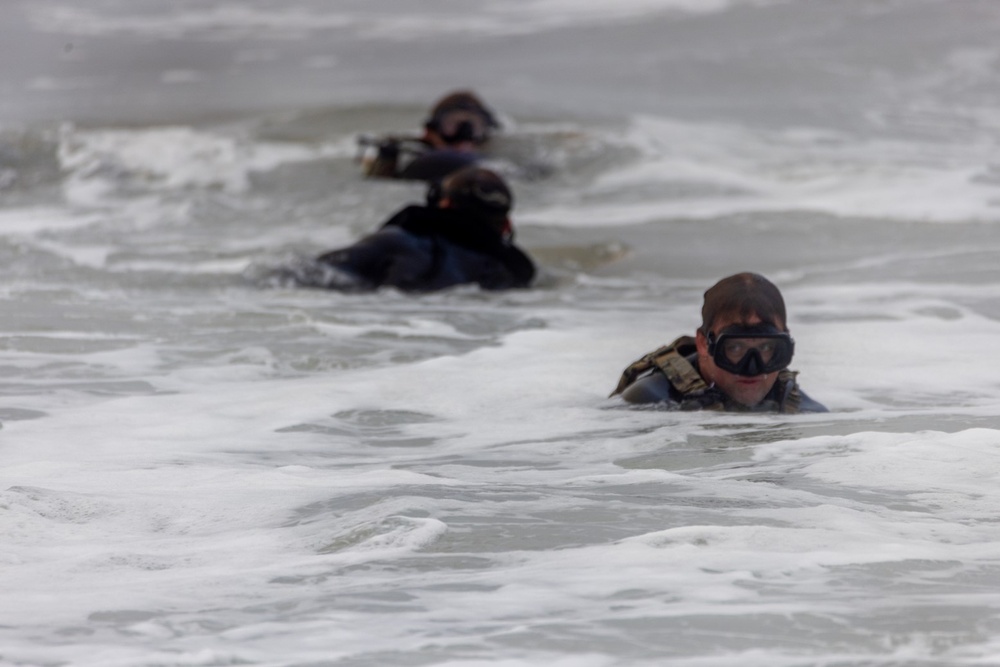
[233, 20]
[30, 221]
[386, 536]
[172, 157]
[705, 170]
[576, 11]
[498, 18]
[947, 474]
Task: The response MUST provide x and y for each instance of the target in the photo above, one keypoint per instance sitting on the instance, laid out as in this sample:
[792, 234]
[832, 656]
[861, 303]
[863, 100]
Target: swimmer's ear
[701, 342]
[507, 230]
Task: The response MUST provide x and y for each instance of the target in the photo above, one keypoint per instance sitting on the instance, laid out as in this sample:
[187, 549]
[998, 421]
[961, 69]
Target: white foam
[201, 500]
[907, 331]
[573, 11]
[56, 84]
[498, 18]
[34, 221]
[231, 19]
[793, 170]
[174, 157]
[181, 76]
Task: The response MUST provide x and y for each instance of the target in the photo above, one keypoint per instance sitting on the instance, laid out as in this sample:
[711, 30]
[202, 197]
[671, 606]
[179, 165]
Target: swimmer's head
[461, 117]
[740, 297]
[479, 193]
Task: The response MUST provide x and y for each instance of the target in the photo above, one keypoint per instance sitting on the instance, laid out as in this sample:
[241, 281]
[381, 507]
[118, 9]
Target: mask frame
[752, 362]
[455, 126]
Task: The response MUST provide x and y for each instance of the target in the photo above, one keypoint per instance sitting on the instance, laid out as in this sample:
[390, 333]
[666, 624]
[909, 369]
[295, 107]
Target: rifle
[389, 146]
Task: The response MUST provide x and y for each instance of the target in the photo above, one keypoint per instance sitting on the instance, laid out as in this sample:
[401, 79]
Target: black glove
[388, 149]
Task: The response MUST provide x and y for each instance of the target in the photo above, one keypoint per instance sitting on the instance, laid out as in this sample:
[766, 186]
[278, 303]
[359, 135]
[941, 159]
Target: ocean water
[200, 465]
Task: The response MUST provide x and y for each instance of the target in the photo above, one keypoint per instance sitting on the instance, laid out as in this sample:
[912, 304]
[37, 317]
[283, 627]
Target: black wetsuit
[423, 249]
[420, 162]
[436, 163]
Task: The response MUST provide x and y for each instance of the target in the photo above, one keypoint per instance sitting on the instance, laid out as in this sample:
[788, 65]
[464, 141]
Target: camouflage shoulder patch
[671, 361]
[791, 398]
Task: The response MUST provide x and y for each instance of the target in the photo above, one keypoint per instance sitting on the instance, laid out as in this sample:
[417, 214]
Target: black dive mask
[455, 127]
[751, 350]
[464, 131]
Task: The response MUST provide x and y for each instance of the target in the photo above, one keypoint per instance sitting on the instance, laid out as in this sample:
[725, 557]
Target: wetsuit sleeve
[390, 256]
[436, 164]
[652, 388]
[521, 268]
[511, 269]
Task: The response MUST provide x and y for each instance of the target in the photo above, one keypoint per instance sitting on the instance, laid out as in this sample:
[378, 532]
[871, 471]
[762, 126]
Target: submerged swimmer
[457, 128]
[463, 235]
[737, 361]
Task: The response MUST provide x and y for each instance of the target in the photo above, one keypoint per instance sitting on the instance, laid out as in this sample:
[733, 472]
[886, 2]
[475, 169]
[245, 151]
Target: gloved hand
[388, 149]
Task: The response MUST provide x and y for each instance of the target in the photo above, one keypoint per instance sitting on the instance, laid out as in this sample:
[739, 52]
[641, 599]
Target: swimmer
[455, 132]
[463, 235]
[737, 361]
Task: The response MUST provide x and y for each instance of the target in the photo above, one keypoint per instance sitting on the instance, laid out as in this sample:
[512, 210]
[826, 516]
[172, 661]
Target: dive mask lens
[751, 351]
[459, 126]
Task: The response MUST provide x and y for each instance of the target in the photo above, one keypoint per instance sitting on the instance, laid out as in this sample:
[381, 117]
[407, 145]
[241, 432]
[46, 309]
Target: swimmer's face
[747, 391]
